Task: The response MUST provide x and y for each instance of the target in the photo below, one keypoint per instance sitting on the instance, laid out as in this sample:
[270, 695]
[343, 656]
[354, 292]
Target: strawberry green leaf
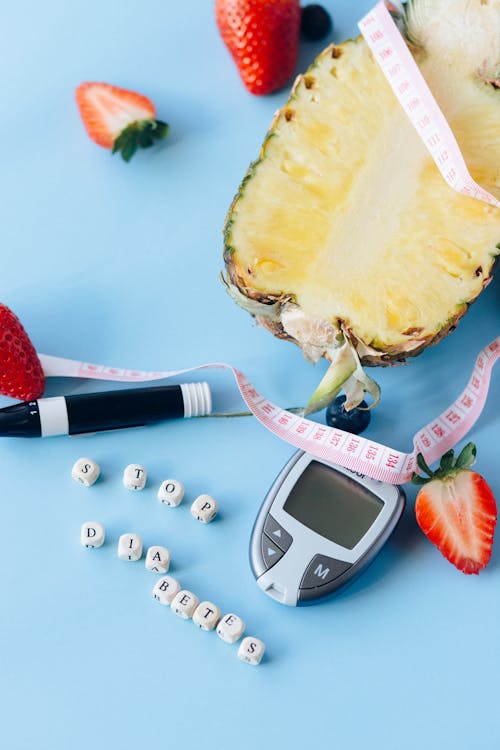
[447, 462]
[467, 457]
[422, 465]
[139, 134]
[160, 130]
[417, 479]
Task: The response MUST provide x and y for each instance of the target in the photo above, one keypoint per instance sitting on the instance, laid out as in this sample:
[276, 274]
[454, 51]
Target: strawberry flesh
[21, 373]
[118, 119]
[458, 514]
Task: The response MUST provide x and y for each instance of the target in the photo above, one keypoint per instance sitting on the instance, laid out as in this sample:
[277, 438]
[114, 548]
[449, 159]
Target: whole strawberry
[456, 510]
[21, 373]
[263, 39]
[119, 119]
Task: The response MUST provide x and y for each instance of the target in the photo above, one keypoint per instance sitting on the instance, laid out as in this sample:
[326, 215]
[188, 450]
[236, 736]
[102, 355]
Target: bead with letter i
[130, 547]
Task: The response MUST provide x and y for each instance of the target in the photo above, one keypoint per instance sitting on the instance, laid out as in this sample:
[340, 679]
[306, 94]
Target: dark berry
[315, 23]
[354, 421]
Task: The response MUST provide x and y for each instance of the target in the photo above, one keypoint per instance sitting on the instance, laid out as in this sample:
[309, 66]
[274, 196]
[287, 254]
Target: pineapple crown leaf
[139, 134]
[448, 466]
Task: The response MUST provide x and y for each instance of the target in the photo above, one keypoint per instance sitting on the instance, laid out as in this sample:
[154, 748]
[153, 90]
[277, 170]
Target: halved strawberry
[119, 119]
[456, 510]
[21, 373]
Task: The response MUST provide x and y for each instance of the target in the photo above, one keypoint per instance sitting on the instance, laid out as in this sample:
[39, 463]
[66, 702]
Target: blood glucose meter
[319, 526]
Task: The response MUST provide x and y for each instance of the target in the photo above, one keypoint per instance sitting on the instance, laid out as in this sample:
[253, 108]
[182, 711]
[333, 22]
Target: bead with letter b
[165, 589]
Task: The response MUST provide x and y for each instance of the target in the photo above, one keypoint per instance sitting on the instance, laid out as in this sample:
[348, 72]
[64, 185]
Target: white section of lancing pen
[53, 413]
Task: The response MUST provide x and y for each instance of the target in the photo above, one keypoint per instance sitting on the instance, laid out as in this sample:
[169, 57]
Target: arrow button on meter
[277, 533]
[271, 553]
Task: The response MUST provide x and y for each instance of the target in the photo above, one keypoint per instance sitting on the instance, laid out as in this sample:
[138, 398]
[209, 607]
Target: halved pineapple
[344, 237]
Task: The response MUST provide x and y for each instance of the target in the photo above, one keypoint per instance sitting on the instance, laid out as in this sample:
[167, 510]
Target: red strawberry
[119, 119]
[21, 374]
[456, 510]
[263, 39]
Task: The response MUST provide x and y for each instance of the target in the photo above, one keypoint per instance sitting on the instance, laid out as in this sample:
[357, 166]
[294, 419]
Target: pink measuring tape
[354, 451]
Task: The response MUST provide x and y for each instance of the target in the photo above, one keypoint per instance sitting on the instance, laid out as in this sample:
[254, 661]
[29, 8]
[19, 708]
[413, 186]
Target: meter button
[322, 570]
[277, 533]
[271, 553]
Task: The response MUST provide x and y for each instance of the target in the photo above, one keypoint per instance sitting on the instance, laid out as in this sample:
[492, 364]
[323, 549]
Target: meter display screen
[333, 504]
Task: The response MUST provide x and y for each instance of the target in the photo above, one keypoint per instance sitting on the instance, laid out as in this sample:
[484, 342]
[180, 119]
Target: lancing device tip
[108, 410]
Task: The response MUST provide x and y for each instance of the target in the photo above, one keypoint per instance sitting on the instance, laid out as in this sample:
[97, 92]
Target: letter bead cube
[204, 508]
[251, 650]
[171, 492]
[92, 534]
[134, 477]
[206, 615]
[230, 628]
[165, 589]
[130, 547]
[184, 604]
[158, 559]
[85, 471]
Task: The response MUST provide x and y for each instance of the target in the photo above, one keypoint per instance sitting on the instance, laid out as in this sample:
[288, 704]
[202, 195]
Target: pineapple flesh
[344, 237]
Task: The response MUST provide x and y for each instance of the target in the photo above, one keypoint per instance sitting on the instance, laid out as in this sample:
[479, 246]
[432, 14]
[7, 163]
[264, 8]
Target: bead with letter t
[134, 477]
[206, 615]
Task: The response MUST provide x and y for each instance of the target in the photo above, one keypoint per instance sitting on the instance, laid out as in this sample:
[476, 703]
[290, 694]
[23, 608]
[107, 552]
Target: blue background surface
[116, 263]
